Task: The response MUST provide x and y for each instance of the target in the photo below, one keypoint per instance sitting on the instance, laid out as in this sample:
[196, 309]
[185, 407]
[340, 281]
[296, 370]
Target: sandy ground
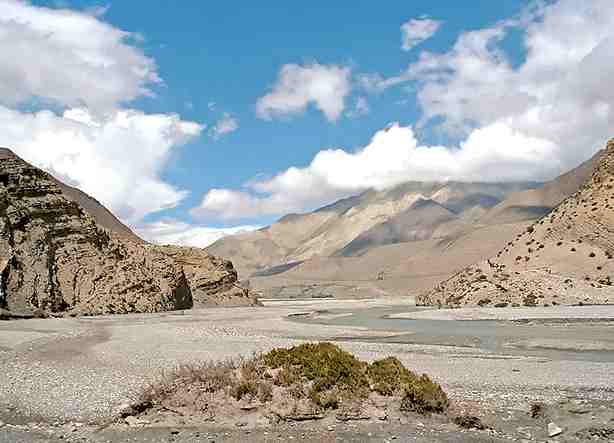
[63, 376]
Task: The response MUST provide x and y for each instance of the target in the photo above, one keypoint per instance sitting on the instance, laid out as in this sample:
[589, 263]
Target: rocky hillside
[408, 212]
[55, 257]
[564, 258]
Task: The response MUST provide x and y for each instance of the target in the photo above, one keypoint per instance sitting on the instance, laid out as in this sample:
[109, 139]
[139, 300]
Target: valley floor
[62, 378]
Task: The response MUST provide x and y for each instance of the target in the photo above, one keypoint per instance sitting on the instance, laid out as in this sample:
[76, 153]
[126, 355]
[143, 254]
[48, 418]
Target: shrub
[324, 364]
[319, 373]
[389, 376]
[424, 396]
[469, 422]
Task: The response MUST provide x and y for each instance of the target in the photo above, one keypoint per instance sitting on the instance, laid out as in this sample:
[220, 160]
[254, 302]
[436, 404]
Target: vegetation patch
[302, 382]
[389, 376]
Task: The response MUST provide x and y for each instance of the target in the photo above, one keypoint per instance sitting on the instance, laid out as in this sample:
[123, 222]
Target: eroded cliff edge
[55, 257]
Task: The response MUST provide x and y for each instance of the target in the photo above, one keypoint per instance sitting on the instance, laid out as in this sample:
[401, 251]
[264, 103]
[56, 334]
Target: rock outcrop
[55, 257]
[565, 257]
[213, 280]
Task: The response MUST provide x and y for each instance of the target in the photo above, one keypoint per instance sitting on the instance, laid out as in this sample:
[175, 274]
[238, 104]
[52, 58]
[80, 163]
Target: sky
[192, 120]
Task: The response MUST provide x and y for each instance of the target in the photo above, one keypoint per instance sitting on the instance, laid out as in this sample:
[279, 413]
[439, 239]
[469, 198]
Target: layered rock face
[55, 257]
[564, 258]
[213, 280]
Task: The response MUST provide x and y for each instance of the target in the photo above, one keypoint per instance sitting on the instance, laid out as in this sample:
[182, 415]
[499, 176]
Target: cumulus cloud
[171, 231]
[225, 125]
[393, 156]
[86, 69]
[68, 57]
[415, 31]
[118, 159]
[323, 86]
[560, 92]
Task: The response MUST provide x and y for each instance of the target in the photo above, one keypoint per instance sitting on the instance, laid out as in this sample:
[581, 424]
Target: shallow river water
[551, 339]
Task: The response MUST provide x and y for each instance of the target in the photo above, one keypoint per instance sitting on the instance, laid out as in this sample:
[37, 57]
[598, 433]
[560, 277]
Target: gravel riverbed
[57, 372]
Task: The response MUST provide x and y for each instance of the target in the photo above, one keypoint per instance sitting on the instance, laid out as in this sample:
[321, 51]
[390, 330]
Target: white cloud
[561, 92]
[68, 57]
[394, 156]
[529, 120]
[225, 125]
[324, 86]
[415, 31]
[170, 231]
[118, 159]
[86, 68]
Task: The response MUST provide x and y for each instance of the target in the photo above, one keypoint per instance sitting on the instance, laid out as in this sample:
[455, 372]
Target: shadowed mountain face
[408, 212]
[55, 256]
[566, 257]
[418, 222]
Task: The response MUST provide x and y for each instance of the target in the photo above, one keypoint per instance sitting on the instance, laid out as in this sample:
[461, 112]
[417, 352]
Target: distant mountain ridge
[407, 212]
[394, 242]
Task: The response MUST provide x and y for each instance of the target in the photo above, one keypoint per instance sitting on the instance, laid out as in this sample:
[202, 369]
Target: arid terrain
[397, 242]
[68, 379]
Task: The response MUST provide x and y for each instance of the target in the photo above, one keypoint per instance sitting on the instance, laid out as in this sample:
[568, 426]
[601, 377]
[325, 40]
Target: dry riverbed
[65, 379]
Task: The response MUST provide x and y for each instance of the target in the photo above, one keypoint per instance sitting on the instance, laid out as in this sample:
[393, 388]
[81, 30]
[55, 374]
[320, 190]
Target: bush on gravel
[389, 376]
[424, 396]
[321, 374]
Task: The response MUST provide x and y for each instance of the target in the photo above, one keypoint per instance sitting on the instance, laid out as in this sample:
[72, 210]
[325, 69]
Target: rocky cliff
[55, 257]
[566, 257]
[213, 280]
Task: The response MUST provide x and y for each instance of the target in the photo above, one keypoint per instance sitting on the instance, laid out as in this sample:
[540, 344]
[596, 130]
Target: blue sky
[472, 101]
[229, 53]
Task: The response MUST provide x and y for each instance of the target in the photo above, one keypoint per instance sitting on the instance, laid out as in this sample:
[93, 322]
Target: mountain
[566, 257]
[535, 203]
[395, 242]
[56, 257]
[102, 215]
[410, 211]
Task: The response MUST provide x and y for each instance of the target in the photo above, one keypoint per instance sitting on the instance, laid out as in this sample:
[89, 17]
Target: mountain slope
[371, 219]
[535, 203]
[564, 258]
[102, 215]
[55, 257]
[418, 222]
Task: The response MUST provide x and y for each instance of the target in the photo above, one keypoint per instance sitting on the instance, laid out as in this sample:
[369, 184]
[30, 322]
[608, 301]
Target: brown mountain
[410, 211]
[566, 257]
[400, 241]
[55, 256]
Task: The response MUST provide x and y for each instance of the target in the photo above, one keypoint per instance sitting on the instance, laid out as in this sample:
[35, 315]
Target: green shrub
[424, 396]
[324, 364]
[389, 376]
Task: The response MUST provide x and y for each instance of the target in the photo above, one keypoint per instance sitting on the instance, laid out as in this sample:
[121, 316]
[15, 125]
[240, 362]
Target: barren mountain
[56, 257]
[426, 233]
[102, 215]
[411, 211]
[564, 258]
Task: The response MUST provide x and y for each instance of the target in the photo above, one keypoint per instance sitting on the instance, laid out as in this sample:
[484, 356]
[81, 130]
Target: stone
[135, 422]
[554, 430]
[125, 409]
